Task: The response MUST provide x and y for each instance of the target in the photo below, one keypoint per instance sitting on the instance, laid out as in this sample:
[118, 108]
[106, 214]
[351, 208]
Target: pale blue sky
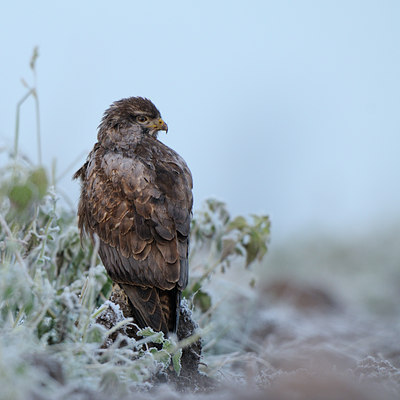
[290, 108]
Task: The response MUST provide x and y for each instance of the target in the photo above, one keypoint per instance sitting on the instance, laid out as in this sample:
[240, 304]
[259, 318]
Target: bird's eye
[141, 118]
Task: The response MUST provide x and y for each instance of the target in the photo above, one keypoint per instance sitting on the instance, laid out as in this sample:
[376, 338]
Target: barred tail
[153, 307]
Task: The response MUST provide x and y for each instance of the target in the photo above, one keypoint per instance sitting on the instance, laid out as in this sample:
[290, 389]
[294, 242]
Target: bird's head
[132, 115]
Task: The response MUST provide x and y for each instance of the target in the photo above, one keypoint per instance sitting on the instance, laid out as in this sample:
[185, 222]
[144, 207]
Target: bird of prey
[136, 198]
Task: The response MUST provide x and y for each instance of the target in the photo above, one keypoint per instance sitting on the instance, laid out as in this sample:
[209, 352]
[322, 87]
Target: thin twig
[37, 109]
[16, 135]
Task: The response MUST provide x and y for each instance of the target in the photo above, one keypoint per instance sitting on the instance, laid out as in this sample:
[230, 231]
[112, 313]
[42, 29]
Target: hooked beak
[157, 125]
[161, 125]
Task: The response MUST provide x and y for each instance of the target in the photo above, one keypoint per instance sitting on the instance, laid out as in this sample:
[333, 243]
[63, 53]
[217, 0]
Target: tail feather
[154, 307]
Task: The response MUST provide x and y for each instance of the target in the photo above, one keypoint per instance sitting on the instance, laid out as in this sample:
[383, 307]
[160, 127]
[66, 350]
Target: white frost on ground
[324, 317]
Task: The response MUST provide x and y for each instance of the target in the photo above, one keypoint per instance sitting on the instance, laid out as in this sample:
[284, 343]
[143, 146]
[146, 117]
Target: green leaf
[239, 223]
[95, 334]
[168, 346]
[176, 361]
[21, 196]
[156, 337]
[146, 332]
[202, 300]
[39, 179]
[163, 357]
[251, 252]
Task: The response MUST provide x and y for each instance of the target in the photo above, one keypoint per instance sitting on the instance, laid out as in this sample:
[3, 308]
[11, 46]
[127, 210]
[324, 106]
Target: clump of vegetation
[220, 241]
[53, 289]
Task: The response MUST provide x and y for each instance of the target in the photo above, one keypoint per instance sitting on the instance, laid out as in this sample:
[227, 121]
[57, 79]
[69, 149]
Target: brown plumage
[136, 196]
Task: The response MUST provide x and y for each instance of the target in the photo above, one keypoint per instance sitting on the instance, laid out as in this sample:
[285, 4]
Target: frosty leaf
[109, 380]
[163, 357]
[95, 334]
[168, 346]
[146, 332]
[156, 337]
[176, 361]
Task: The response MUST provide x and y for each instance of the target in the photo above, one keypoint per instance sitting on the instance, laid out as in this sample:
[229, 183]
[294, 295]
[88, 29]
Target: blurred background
[286, 108]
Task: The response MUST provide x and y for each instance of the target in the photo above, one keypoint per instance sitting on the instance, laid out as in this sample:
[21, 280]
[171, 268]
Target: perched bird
[136, 197]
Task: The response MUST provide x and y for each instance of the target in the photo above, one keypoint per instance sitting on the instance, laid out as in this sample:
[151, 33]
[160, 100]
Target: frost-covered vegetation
[313, 319]
[53, 290]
